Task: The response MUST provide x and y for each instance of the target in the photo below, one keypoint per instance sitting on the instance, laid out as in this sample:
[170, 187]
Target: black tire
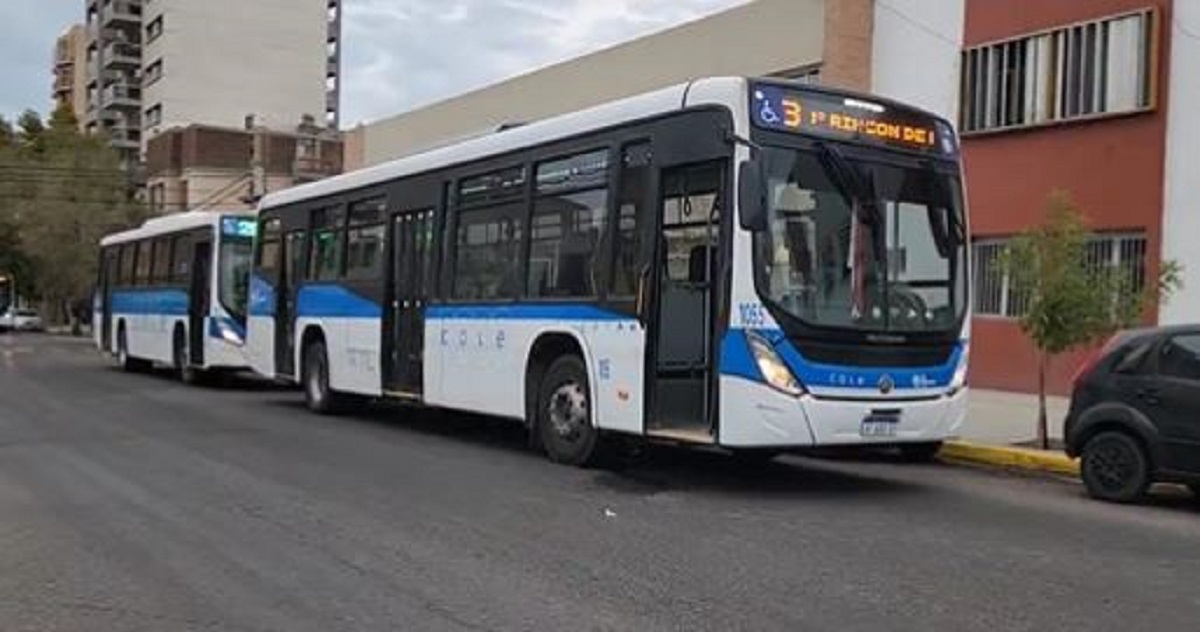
[187, 374]
[924, 452]
[564, 414]
[318, 395]
[127, 362]
[1115, 468]
[1195, 487]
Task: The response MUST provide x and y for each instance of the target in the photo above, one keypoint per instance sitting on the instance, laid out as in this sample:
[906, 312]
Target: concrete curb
[1010, 458]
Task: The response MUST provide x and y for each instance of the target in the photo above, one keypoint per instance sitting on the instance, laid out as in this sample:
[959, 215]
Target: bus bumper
[754, 416]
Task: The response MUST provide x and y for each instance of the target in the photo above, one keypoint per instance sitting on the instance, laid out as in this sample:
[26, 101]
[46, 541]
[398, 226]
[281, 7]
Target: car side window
[1180, 357]
[1133, 360]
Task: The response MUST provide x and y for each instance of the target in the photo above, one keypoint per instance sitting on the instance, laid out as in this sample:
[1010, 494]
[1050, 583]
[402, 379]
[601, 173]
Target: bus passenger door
[285, 308]
[108, 275]
[201, 296]
[412, 240]
[683, 309]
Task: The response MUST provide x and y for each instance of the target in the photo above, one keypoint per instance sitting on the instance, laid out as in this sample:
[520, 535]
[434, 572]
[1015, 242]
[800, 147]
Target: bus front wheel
[564, 414]
[127, 362]
[318, 395]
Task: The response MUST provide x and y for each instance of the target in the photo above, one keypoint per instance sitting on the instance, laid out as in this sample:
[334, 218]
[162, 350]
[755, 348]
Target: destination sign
[238, 227]
[848, 119]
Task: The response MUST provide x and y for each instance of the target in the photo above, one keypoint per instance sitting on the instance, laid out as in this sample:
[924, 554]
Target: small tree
[1070, 300]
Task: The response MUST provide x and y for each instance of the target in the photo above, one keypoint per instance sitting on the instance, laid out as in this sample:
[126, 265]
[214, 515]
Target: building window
[154, 116]
[995, 295]
[154, 72]
[154, 29]
[1089, 69]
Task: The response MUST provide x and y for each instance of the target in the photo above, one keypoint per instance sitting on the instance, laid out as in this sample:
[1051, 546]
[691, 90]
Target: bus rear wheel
[187, 373]
[318, 395]
[564, 414]
[127, 362]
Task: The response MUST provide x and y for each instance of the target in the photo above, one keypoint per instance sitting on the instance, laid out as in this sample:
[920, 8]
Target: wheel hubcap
[567, 411]
[1112, 466]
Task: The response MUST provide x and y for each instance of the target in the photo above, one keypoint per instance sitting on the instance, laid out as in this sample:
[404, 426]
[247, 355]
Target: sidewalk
[999, 418]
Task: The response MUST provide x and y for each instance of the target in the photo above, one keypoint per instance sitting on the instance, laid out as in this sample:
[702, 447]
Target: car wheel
[318, 395]
[564, 410]
[920, 452]
[1115, 467]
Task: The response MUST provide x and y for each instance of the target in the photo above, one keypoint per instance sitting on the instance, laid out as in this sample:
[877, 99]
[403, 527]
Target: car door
[1175, 395]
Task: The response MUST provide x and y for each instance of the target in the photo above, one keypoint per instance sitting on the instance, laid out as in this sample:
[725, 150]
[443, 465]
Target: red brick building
[1064, 95]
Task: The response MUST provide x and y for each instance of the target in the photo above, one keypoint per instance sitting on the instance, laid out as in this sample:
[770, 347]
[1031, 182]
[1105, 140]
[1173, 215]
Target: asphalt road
[133, 503]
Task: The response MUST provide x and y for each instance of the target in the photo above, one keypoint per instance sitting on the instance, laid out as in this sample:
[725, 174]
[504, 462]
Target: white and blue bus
[755, 265]
[174, 292]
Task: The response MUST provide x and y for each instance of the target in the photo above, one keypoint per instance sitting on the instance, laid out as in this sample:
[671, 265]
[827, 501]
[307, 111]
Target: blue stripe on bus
[525, 311]
[334, 301]
[150, 302]
[262, 297]
[737, 360]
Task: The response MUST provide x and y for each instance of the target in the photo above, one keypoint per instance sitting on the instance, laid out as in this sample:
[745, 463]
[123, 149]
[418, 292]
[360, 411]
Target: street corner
[1010, 458]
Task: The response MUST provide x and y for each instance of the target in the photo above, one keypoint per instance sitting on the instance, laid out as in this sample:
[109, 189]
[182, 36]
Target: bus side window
[161, 270]
[631, 200]
[181, 253]
[144, 262]
[125, 279]
[326, 252]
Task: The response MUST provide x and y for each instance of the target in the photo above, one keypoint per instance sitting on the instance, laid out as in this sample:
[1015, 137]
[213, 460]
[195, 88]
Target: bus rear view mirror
[752, 201]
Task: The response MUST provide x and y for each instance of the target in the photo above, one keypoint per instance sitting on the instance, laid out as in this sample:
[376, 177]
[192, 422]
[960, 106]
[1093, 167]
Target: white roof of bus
[167, 224]
[598, 117]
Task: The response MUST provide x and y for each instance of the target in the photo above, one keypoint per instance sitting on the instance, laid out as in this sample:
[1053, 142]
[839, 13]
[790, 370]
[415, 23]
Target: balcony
[122, 55]
[123, 95]
[122, 13]
[125, 136]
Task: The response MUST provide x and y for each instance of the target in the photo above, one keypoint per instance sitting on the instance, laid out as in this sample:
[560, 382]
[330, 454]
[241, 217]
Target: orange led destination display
[848, 119]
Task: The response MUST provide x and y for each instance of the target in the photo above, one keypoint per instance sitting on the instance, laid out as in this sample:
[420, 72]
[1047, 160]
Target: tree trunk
[1043, 429]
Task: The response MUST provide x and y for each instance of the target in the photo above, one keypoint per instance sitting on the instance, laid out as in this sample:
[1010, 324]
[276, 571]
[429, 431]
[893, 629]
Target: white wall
[915, 56]
[1181, 202]
[224, 59]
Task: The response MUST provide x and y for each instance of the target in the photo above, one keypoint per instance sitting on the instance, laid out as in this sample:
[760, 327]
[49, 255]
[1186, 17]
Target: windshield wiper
[850, 183]
[943, 194]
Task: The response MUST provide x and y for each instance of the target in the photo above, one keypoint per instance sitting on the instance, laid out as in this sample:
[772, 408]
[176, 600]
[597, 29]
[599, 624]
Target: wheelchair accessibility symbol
[766, 113]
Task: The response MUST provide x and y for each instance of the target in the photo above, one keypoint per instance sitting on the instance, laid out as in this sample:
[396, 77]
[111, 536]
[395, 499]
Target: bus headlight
[772, 367]
[960, 372]
[229, 334]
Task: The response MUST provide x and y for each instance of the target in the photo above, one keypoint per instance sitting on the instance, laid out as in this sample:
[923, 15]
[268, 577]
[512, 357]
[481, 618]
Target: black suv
[1135, 413]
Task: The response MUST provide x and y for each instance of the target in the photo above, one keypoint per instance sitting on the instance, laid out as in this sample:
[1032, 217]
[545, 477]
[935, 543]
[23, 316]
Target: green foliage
[1071, 303]
[60, 192]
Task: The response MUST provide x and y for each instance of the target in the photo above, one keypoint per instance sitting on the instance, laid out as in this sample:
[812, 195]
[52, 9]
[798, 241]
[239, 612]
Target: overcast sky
[399, 54]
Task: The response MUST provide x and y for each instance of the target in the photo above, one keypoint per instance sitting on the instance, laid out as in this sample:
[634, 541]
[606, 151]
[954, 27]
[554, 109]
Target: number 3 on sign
[791, 113]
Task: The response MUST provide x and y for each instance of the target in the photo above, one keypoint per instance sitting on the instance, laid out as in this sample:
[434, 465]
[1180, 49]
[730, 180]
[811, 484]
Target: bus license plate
[879, 426]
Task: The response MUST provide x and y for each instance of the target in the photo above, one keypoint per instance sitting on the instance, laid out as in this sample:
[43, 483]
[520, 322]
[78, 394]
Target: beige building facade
[904, 49]
[70, 71]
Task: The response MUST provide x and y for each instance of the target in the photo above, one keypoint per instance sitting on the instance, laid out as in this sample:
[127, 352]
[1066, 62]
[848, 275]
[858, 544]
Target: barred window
[994, 291]
[1099, 67]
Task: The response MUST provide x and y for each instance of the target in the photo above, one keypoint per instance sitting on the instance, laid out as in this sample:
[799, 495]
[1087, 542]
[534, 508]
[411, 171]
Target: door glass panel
[1181, 358]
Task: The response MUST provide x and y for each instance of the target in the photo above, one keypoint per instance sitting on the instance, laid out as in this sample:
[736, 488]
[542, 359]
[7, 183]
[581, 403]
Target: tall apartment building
[114, 65]
[157, 66]
[218, 62]
[70, 70]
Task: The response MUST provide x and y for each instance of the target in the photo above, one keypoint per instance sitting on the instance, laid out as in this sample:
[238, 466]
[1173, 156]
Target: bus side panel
[351, 326]
[150, 318]
[476, 361]
[260, 327]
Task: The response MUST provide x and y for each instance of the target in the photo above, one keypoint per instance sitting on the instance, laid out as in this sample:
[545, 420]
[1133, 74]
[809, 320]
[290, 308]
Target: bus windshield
[234, 280]
[860, 244]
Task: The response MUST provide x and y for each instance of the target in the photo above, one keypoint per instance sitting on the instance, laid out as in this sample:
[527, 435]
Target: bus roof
[726, 90]
[174, 223]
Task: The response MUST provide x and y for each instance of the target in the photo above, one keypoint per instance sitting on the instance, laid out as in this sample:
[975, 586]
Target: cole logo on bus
[886, 384]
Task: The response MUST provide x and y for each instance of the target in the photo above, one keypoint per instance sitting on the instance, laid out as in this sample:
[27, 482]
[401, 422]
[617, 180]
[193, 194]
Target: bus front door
[681, 338]
[201, 298]
[410, 272]
[285, 305]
